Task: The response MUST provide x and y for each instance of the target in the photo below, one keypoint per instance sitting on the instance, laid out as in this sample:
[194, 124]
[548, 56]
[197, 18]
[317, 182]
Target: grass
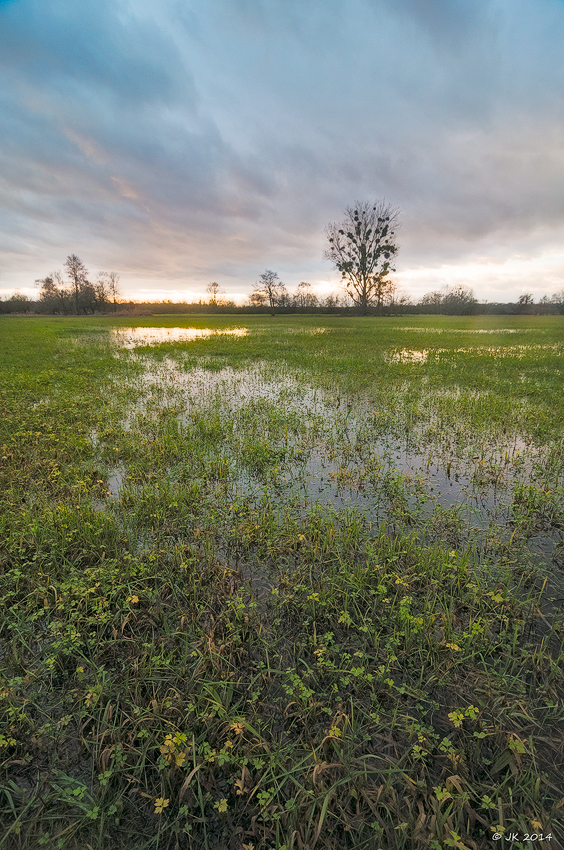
[295, 589]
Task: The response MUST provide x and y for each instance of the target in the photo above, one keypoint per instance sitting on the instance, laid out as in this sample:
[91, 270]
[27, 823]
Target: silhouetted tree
[78, 294]
[455, 300]
[304, 296]
[283, 297]
[54, 297]
[271, 287]
[525, 303]
[331, 302]
[109, 288]
[337, 300]
[16, 303]
[396, 301]
[433, 301]
[459, 300]
[558, 300]
[362, 247]
[214, 290]
[78, 275]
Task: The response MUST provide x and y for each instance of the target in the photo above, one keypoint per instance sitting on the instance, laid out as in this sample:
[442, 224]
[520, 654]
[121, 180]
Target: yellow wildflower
[160, 804]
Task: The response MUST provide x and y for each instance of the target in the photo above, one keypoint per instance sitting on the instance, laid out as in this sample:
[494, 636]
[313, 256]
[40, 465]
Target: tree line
[455, 301]
[362, 247]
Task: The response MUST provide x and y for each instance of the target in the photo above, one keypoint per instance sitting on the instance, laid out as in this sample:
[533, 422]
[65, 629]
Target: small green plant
[458, 717]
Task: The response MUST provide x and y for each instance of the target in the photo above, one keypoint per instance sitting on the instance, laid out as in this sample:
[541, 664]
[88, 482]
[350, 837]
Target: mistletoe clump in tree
[362, 247]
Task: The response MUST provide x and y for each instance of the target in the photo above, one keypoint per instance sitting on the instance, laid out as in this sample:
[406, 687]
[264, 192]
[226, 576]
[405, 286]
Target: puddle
[518, 351]
[326, 450]
[407, 356]
[469, 330]
[197, 388]
[133, 337]
[308, 331]
[116, 477]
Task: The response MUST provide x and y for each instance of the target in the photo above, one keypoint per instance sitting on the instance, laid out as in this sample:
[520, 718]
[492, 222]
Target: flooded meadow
[291, 582]
[301, 447]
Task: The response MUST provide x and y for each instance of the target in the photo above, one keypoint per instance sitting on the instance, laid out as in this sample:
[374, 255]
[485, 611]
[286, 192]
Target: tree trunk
[364, 300]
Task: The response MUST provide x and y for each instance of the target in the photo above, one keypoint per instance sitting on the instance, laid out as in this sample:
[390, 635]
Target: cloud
[177, 141]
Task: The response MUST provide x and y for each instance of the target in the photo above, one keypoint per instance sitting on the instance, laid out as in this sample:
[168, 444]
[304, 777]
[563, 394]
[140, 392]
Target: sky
[179, 142]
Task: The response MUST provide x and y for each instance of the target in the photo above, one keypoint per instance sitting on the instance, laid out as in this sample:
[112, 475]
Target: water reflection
[133, 337]
[407, 355]
[116, 478]
[469, 330]
[330, 450]
[285, 442]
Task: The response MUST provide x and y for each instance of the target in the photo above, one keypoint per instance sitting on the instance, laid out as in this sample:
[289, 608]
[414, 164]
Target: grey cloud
[177, 137]
[449, 23]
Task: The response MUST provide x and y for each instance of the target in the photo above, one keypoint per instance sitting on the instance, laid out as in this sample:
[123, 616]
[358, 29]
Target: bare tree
[108, 282]
[283, 297]
[435, 298]
[525, 303]
[558, 300]
[331, 301]
[214, 290]
[271, 287]
[432, 301]
[77, 294]
[54, 297]
[304, 296]
[459, 300]
[78, 275]
[102, 289]
[456, 300]
[362, 248]
[396, 300]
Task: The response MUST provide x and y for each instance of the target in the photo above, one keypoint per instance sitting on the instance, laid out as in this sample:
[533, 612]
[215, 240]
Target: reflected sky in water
[133, 337]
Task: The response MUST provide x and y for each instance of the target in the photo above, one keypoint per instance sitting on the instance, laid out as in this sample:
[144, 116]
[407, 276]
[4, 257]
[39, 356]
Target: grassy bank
[296, 588]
